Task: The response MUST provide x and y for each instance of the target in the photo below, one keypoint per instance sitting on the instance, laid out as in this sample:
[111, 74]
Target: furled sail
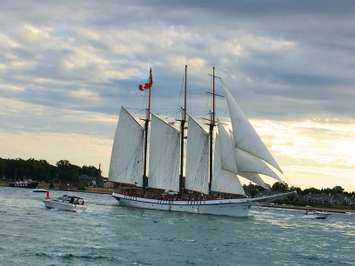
[127, 151]
[164, 156]
[245, 135]
[224, 181]
[196, 158]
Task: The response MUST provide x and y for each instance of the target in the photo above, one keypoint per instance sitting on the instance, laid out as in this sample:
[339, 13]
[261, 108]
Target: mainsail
[127, 152]
[224, 180]
[164, 155]
[245, 136]
[196, 158]
[228, 157]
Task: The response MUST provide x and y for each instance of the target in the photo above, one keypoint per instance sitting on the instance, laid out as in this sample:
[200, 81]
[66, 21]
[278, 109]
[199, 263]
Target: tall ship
[189, 168]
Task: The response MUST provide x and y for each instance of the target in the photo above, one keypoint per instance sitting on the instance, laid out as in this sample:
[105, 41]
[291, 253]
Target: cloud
[316, 152]
[19, 117]
[67, 67]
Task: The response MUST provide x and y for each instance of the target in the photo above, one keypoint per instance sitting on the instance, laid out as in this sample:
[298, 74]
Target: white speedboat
[316, 215]
[65, 203]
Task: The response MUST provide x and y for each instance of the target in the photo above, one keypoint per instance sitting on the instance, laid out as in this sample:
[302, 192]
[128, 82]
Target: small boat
[316, 215]
[24, 184]
[65, 203]
[40, 190]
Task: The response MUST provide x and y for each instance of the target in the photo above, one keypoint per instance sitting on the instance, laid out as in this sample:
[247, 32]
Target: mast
[146, 128]
[211, 128]
[182, 134]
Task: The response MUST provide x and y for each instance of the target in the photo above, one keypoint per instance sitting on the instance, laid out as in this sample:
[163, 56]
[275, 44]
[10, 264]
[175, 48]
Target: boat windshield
[71, 199]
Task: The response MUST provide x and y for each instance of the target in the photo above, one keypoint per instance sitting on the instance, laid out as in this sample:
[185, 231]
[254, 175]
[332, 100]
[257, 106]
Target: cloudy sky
[67, 67]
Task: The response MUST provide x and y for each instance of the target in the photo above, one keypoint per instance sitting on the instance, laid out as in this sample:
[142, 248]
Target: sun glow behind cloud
[317, 153]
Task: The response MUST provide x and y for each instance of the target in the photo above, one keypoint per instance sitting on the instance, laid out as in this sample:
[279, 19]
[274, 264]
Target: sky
[66, 67]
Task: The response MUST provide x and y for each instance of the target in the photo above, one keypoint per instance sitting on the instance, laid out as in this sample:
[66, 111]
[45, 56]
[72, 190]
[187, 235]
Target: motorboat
[65, 203]
[316, 215]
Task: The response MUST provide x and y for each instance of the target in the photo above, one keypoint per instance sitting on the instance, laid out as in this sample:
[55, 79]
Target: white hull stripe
[202, 202]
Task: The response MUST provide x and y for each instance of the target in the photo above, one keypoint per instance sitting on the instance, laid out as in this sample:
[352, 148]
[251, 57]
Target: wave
[75, 256]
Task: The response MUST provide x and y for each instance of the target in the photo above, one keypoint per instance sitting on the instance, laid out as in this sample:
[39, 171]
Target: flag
[147, 85]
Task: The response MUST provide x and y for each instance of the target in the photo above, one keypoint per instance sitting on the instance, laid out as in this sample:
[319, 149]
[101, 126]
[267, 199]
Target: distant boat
[214, 160]
[24, 184]
[316, 215]
[65, 203]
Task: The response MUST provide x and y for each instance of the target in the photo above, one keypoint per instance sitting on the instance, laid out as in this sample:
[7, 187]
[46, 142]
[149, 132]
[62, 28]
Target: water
[110, 235]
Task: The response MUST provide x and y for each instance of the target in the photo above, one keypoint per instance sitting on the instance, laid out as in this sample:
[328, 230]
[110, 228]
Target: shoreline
[305, 208]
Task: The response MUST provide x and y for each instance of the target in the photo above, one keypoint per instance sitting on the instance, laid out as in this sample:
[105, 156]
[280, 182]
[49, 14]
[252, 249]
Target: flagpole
[146, 128]
[182, 134]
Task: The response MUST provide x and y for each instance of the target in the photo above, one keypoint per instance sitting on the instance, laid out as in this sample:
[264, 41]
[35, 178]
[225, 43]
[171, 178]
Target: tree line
[254, 190]
[334, 197]
[41, 170]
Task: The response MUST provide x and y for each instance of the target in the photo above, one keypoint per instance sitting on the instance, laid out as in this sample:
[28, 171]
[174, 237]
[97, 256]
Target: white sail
[228, 159]
[255, 178]
[251, 164]
[245, 163]
[197, 178]
[164, 156]
[245, 135]
[224, 181]
[127, 151]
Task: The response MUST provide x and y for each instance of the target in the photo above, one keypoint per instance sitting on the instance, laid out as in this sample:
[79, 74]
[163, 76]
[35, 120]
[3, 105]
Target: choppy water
[110, 235]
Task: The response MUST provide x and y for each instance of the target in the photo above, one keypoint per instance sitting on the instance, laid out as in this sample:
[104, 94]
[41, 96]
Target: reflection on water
[106, 234]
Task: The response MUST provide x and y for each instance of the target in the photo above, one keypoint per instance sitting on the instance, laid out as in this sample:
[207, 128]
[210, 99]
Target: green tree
[67, 172]
[252, 190]
[337, 189]
[279, 187]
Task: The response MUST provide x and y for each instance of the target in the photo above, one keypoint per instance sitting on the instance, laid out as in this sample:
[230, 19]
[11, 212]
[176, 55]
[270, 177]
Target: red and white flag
[147, 85]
